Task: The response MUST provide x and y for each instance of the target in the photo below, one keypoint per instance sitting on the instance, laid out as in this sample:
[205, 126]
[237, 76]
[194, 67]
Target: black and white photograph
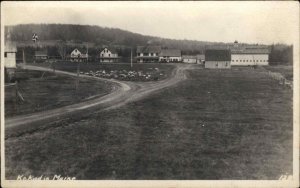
[150, 94]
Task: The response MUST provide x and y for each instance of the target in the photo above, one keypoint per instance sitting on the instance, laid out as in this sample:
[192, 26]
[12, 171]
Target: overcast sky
[251, 22]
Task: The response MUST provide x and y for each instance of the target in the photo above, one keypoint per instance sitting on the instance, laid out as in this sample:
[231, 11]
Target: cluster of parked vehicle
[152, 74]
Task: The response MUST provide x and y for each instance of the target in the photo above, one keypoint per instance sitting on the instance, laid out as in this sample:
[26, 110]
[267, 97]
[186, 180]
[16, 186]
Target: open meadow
[216, 124]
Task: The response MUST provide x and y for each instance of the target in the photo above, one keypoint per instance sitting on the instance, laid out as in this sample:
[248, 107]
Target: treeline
[281, 54]
[95, 34]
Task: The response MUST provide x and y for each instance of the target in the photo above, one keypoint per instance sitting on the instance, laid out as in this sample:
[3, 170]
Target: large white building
[250, 56]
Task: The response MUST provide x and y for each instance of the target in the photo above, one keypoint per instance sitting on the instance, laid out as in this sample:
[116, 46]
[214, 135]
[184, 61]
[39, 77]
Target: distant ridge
[98, 36]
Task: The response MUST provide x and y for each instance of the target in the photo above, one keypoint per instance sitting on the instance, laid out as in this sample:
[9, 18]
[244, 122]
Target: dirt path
[127, 92]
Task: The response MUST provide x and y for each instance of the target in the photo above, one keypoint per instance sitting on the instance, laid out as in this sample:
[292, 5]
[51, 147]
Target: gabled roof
[170, 52]
[148, 49]
[200, 56]
[189, 57]
[217, 55]
[81, 50]
[251, 51]
[10, 47]
[111, 49]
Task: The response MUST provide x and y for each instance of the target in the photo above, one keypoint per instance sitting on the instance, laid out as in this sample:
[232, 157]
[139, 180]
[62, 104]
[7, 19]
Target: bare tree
[62, 49]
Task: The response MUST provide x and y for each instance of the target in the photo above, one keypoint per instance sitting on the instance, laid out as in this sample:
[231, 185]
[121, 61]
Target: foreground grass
[44, 91]
[229, 124]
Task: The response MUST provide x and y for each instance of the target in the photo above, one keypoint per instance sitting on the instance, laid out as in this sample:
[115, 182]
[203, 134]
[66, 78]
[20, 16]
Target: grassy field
[217, 124]
[286, 71]
[48, 91]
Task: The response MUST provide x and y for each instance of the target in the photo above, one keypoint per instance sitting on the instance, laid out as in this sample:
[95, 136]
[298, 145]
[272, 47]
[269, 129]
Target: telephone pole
[131, 58]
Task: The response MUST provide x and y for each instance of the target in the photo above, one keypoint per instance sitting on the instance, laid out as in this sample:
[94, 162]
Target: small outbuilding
[217, 59]
[189, 59]
[200, 58]
[10, 51]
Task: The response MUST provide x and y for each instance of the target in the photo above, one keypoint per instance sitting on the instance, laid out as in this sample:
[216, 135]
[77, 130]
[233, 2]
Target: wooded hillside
[96, 37]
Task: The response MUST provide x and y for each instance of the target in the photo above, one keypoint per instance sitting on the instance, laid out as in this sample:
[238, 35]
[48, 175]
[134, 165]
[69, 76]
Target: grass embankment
[217, 124]
[44, 90]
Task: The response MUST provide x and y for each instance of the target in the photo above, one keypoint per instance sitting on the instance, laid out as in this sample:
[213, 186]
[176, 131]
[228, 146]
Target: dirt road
[126, 92]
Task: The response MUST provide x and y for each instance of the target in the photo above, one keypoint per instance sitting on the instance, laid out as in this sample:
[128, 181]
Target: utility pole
[24, 61]
[78, 69]
[131, 58]
[87, 53]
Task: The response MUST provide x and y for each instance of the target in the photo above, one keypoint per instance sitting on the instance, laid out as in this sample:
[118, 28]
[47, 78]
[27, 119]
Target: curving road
[127, 92]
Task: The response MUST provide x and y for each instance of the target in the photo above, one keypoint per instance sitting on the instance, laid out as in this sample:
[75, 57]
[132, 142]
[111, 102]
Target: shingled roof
[148, 49]
[170, 53]
[111, 49]
[251, 51]
[217, 55]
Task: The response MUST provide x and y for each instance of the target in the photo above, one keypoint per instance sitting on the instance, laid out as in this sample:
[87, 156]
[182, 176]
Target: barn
[217, 59]
[250, 56]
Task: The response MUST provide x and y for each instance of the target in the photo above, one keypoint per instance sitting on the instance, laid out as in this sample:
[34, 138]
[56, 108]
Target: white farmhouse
[108, 56]
[170, 55]
[147, 54]
[77, 56]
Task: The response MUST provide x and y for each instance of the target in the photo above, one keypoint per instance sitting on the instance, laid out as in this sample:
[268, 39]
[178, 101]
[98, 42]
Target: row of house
[146, 54]
[81, 55]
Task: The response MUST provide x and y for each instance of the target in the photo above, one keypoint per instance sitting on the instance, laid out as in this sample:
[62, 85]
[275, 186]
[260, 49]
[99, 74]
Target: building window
[108, 55]
[247, 60]
[250, 60]
[5, 54]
